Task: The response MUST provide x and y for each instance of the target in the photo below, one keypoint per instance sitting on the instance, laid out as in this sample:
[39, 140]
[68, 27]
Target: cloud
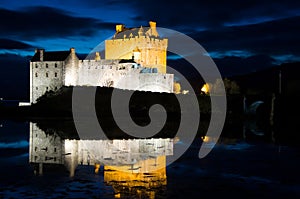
[212, 14]
[10, 44]
[14, 145]
[275, 37]
[45, 22]
[232, 65]
[258, 27]
[228, 65]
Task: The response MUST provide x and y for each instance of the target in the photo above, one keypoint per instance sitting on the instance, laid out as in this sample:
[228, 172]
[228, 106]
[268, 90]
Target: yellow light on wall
[97, 167]
[205, 88]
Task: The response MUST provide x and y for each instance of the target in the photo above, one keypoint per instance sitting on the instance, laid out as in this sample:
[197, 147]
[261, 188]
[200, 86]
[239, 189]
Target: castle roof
[51, 56]
[126, 61]
[135, 32]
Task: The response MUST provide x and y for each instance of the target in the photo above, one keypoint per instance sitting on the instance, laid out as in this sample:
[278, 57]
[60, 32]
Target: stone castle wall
[45, 76]
[50, 76]
[153, 51]
[108, 73]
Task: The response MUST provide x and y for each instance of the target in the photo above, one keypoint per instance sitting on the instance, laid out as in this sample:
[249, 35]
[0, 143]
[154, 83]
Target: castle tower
[71, 69]
[47, 71]
[136, 53]
[153, 48]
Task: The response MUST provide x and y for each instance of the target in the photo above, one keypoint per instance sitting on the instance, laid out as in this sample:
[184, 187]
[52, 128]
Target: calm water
[35, 164]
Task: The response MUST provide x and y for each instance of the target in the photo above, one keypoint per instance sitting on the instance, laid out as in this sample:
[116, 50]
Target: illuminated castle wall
[143, 43]
[134, 63]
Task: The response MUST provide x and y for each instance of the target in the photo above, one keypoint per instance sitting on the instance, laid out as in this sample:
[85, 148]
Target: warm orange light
[148, 48]
[148, 174]
[205, 88]
[97, 167]
[176, 88]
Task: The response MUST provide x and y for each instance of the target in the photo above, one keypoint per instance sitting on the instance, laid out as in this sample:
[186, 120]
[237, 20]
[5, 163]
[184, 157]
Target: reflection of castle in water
[136, 166]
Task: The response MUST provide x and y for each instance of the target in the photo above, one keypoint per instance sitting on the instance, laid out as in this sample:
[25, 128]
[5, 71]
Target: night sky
[241, 36]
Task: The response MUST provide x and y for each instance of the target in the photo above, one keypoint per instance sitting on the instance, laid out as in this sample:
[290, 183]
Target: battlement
[143, 41]
[123, 32]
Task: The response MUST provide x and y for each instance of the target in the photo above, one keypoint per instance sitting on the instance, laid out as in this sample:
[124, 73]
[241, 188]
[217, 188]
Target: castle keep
[135, 59]
[143, 43]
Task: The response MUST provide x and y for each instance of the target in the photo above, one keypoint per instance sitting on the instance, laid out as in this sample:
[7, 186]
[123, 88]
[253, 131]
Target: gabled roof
[51, 56]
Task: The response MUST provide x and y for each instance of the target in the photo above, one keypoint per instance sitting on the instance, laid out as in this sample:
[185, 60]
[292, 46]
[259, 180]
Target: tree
[231, 87]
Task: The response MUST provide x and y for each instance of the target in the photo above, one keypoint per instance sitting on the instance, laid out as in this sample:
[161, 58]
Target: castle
[135, 59]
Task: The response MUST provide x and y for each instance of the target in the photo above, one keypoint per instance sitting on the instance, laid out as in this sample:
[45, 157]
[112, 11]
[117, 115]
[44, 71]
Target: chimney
[42, 54]
[72, 50]
[152, 25]
[97, 56]
[119, 28]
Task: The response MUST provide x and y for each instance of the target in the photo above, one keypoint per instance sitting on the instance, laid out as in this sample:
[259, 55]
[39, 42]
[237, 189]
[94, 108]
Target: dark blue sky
[241, 36]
